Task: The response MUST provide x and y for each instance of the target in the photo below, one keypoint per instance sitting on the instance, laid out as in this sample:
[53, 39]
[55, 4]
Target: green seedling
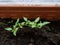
[33, 24]
[37, 20]
[8, 29]
[21, 24]
[15, 27]
[41, 24]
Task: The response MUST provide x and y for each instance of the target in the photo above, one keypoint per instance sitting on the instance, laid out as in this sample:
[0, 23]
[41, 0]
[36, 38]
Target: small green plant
[21, 24]
[15, 27]
[41, 24]
[33, 24]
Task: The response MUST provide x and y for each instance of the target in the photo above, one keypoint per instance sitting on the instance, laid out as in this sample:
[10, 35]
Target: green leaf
[27, 22]
[39, 25]
[8, 29]
[32, 24]
[16, 23]
[25, 19]
[15, 31]
[37, 19]
[22, 23]
[45, 23]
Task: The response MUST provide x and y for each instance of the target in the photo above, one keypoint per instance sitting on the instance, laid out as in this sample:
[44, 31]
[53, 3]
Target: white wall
[30, 1]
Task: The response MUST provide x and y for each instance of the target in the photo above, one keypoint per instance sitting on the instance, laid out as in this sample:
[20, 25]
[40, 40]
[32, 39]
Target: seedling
[26, 21]
[21, 24]
[32, 24]
[15, 27]
[37, 20]
[41, 24]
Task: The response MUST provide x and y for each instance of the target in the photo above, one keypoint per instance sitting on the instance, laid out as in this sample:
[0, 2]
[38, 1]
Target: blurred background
[30, 1]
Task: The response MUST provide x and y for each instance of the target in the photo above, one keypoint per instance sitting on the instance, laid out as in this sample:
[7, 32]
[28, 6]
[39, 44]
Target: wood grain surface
[49, 13]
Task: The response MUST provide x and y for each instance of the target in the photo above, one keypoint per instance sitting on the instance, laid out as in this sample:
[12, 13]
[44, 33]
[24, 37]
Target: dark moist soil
[29, 36]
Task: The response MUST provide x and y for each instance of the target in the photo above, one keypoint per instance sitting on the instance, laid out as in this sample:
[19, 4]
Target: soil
[29, 36]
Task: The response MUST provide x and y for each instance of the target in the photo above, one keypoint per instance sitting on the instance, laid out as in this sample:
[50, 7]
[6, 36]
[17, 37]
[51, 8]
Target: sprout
[14, 29]
[25, 19]
[37, 20]
[32, 24]
[41, 24]
[21, 24]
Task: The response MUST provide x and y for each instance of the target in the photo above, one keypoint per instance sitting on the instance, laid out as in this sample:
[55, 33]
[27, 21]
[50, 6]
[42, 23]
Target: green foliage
[35, 24]
[26, 21]
[15, 31]
[37, 20]
[41, 24]
[21, 24]
[15, 27]
[32, 24]
[8, 29]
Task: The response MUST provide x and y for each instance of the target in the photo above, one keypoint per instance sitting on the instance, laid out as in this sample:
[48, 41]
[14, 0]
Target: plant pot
[27, 35]
[48, 12]
[33, 36]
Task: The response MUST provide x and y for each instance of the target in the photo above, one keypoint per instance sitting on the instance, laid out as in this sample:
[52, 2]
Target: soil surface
[29, 36]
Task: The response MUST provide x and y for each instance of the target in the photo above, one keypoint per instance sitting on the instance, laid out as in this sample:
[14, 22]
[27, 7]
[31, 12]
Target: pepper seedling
[41, 24]
[21, 24]
[33, 24]
[15, 27]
